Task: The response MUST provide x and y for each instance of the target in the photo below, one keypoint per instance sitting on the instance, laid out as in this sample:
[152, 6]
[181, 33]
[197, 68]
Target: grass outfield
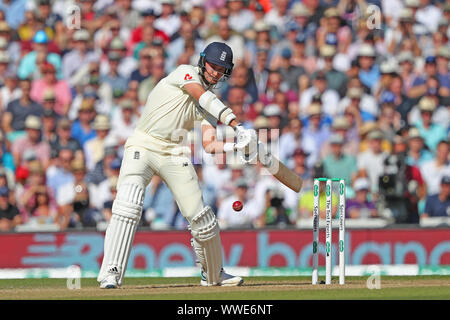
[254, 288]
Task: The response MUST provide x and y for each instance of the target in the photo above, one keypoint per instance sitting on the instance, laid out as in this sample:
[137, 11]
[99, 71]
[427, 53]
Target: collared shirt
[42, 149]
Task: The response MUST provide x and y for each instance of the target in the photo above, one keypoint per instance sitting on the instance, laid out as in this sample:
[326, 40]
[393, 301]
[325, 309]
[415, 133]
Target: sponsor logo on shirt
[187, 77]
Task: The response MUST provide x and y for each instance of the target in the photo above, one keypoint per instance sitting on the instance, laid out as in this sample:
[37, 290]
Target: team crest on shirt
[187, 77]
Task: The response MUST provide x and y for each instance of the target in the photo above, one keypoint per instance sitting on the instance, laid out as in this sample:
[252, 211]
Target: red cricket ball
[237, 206]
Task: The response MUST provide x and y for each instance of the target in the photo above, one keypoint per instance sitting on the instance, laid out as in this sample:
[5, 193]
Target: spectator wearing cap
[315, 133]
[443, 72]
[419, 86]
[342, 126]
[371, 161]
[12, 45]
[10, 90]
[336, 80]
[339, 164]
[276, 119]
[355, 106]
[34, 184]
[82, 129]
[62, 139]
[292, 75]
[300, 56]
[102, 169]
[117, 81]
[388, 69]
[75, 199]
[369, 71]
[360, 207]
[417, 153]
[123, 121]
[389, 121]
[13, 120]
[40, 51]
[228, 218]
[405, 31]
[79, 56]
[333, 24]
[32, 140]
[328, 98]
[438, 205]
[367, 103]
[49, 120]
[168, 21]
[433, 170]
[61, 89]
[298, 165]
[406, 69]
[94, 148]
[14, 12]
[241, 18]
[431, 132]
[9, 214]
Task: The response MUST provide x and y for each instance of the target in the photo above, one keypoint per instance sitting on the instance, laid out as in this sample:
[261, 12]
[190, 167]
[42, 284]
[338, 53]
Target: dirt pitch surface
[254, 288]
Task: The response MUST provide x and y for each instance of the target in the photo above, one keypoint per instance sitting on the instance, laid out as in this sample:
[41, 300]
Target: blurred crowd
[350, 89]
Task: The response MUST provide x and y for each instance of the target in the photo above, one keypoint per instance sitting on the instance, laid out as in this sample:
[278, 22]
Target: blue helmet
[220, 54]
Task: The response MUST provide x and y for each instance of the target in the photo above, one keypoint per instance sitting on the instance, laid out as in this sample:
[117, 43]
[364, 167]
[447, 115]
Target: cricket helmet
[220, 54]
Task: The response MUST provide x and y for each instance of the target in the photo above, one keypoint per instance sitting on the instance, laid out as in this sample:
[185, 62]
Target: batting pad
[126, 213]
[206, 243]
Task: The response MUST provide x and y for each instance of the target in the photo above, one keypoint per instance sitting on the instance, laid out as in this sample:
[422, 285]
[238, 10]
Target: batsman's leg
[180, 177]
[126, 213]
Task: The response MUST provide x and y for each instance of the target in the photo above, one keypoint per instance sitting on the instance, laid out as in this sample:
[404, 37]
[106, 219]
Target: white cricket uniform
[154, 147]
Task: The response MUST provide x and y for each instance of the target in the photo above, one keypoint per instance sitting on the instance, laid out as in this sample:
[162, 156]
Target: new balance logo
[187, 77]
[223, 56]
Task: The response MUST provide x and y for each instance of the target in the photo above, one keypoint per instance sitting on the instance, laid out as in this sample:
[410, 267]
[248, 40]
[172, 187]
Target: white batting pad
[126, 213]
[206, 243]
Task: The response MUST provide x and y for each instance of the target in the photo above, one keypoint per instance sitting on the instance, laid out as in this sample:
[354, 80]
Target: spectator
[315, 133]
[124, 121]
[31, 141]
[75, 199]
[438, 205]
[228, 217]
[9, 214]
[339, 165]
[10, 90]
[433, 170]
[169, 21]
[94, 148]
[30, 63]
[336, 80]
[60, 88]
[369, 72]
[327, 97]
[13, 121]
[79, 56]
[372, 160]
[148, 84]
[107, 206]
[62, 139]
[431, 132]
[143, 70]
[82, 129]
[417, 153]
[61, 172]
[360, 207]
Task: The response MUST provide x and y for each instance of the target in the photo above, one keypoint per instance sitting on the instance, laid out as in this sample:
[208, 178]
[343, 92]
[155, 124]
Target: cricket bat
[285, 175]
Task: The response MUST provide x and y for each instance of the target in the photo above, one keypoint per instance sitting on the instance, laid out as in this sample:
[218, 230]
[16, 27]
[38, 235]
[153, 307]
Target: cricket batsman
[176, 102]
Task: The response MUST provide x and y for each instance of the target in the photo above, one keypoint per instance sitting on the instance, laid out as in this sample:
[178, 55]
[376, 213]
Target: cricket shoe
[110, 281]
[226, 280]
